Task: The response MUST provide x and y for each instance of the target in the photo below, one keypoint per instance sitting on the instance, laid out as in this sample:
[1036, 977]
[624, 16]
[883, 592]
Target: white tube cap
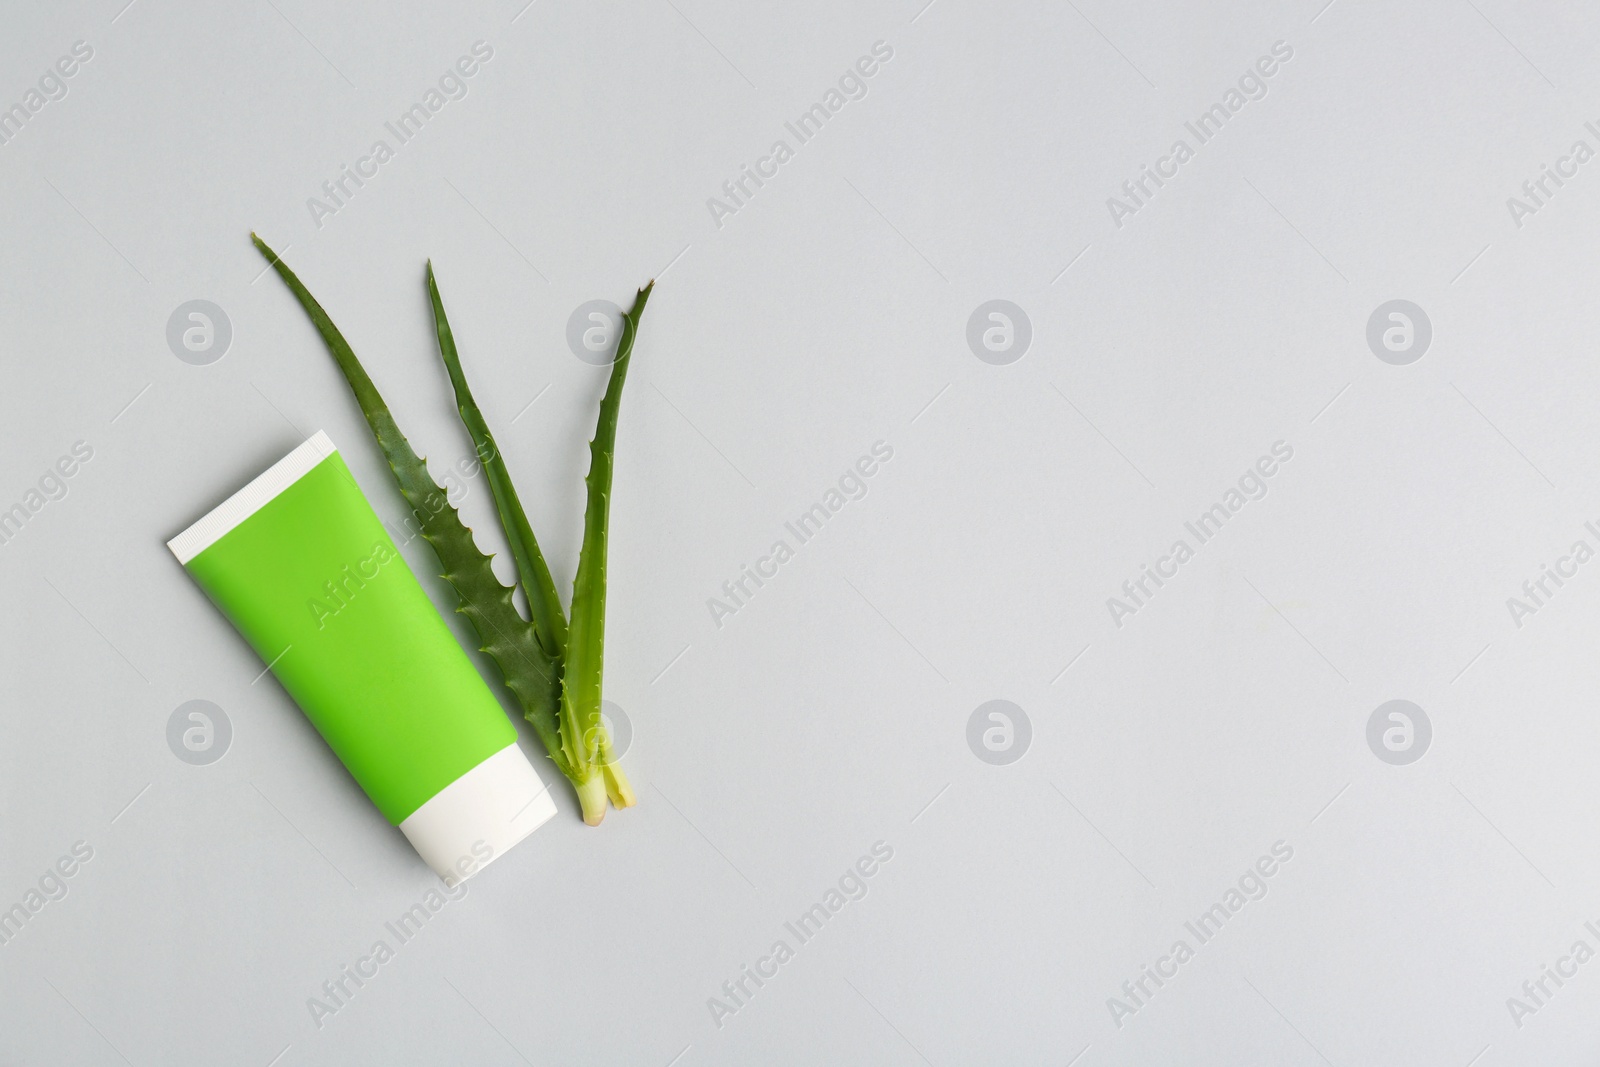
[477, 818]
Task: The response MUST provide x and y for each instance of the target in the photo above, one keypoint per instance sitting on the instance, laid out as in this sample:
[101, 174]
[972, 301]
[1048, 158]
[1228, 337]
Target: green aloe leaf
[580, 695]
[543, 601]
[529, 671]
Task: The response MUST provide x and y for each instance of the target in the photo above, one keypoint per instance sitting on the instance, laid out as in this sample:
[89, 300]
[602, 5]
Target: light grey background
[831, 712]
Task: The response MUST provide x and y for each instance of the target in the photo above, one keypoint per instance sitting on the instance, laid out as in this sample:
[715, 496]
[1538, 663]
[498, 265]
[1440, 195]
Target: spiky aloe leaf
[580, 694]
[548, 619]
[509, 639]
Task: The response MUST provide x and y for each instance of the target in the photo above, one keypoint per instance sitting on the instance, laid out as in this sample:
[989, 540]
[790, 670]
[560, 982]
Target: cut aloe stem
[618, 787]
[580, 692]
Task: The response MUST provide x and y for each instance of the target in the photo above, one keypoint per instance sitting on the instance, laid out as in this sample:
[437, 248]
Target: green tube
[301, 565]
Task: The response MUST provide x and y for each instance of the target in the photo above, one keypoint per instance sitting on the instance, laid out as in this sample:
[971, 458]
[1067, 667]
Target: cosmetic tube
[301, 565]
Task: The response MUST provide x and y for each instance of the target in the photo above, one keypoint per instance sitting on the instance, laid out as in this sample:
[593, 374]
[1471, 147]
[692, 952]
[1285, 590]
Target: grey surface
[834, 709]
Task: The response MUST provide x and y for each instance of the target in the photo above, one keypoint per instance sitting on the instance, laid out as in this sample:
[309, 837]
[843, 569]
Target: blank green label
[314, 583]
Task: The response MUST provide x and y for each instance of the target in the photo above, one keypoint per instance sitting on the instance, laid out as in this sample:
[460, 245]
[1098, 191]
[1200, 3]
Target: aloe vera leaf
[507, 638]
[580, 695]
[548, 619]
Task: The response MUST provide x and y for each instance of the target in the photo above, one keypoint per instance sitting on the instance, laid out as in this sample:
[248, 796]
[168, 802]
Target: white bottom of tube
[477, 818]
